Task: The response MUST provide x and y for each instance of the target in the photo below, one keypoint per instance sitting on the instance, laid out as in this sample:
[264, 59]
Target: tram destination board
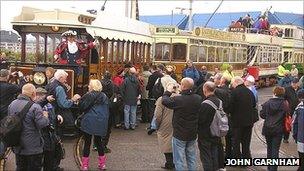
[166, 30]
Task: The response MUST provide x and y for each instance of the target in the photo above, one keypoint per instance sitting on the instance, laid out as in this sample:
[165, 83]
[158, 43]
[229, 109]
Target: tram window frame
[164, 48]
[179, 51]
[193, 52]
[288, 32]
[209, 59]
[50, 53]
[244, 56]
[232, 55]
[219, 54]
[204, 56]
[226, 55]
[34, 58]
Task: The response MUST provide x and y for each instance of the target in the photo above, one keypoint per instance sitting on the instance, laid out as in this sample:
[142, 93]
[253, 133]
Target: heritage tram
[124, 40]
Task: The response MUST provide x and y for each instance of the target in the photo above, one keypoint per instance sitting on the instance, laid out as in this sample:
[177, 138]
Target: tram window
[211, 54]
[270, 56]
[239, 57]
[34, 47]
[53, 40]
[162, 51]
[244, 55]
[193, 53]
[219, 55]
[179, 51]
[202, 53]
[288, 32]
[226, 55]
[126, 56]
[232, 55]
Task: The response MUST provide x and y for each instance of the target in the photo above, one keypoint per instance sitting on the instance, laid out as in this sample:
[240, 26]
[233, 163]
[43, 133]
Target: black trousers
[151, 103]
[273, 148]
[29, 162]
[106, 139]
[241, 135]
[228, 147]
[87, 144]
[209, 154]
[169, 159]
[301, 156]
[145, 110]
[50, 161]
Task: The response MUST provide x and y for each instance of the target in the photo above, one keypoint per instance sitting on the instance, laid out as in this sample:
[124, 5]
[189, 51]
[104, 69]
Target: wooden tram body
[126, 40]
[121, 40]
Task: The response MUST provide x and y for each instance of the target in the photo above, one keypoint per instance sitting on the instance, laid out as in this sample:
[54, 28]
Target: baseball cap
[41, 90]
[4, 73]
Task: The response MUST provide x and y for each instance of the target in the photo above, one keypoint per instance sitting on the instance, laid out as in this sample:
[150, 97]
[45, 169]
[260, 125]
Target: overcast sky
[9, 9]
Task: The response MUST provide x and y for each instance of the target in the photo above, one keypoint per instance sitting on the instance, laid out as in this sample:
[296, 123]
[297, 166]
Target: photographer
[8, 91]
[52, 148]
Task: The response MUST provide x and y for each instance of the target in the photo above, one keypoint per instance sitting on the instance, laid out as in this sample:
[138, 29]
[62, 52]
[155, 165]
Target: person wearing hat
[51, 159]
[8, 92]
[298, 128]
[291, 97]
[72, 50]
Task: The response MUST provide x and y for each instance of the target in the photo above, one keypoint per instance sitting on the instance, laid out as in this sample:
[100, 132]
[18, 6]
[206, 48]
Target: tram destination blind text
[263, 162]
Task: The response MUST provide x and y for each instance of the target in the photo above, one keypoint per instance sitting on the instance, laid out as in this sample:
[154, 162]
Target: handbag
[287, 123]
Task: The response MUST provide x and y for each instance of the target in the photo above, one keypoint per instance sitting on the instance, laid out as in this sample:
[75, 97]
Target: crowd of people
[183, 114]
[261, 26]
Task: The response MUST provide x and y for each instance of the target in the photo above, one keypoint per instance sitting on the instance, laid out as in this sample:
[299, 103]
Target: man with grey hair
[242, 107]
[209, 145]
[62, 104]
[29, 156]
[185, 118]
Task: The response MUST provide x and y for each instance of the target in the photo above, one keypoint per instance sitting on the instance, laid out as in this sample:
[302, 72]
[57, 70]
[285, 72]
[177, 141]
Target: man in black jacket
[209, 145]
[242, 117]
[8, 92]
[108, 89]
[291, 97]
[185, 118]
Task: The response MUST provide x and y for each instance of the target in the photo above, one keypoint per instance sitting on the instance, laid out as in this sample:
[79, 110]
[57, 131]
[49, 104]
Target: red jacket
[118, 80]
[82, 47]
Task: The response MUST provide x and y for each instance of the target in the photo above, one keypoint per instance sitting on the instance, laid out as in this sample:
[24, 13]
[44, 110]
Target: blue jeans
[130, 116]
[184, 154]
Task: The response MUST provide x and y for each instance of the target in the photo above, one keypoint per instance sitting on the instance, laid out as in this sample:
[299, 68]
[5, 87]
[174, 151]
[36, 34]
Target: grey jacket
[145, 75]
[31, 138]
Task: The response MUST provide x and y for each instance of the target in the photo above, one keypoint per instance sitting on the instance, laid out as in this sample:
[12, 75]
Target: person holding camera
[163, 118]
[52, 149]
[8, 91]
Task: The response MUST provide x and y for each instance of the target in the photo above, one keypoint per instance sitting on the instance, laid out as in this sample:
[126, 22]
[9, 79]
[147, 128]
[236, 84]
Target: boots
[169, 165]
[85, 163]
[102, 162]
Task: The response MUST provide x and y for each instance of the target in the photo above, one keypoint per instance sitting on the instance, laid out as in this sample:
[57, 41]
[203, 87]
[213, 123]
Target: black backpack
[158, 89]
[11, 127]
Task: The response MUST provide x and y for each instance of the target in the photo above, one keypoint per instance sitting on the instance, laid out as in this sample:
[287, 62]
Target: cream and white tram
[214, 48]
[293, 45]
[121, 40]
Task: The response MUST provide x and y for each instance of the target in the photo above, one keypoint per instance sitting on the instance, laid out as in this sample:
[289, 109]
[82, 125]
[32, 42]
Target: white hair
[60, 73]
[238, 80]
[132, 70]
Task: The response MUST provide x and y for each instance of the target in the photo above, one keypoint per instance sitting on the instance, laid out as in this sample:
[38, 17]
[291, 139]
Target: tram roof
[223, 20]
[103, 24]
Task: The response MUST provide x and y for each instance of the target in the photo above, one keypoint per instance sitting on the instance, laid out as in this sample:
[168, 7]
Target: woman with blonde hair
[95, 105]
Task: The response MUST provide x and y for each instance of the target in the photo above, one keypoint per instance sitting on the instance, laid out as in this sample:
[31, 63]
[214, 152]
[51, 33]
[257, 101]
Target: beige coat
[163, 117]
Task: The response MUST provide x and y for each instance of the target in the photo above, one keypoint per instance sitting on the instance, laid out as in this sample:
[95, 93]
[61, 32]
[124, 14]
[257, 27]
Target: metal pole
[127, 8]
[190, 16]
[171, 17]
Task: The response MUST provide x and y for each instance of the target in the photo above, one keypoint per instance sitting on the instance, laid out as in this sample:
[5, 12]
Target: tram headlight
[55, 28]
[39, 78]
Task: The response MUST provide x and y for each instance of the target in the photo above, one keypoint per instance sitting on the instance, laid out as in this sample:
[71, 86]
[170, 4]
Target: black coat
[242, 107]
[224, 94]
[151, 82]
[8, 93]
[291, 97]
[206, 114]
[185, 114]
[107, 87]
[130, 90]
[273, 111]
